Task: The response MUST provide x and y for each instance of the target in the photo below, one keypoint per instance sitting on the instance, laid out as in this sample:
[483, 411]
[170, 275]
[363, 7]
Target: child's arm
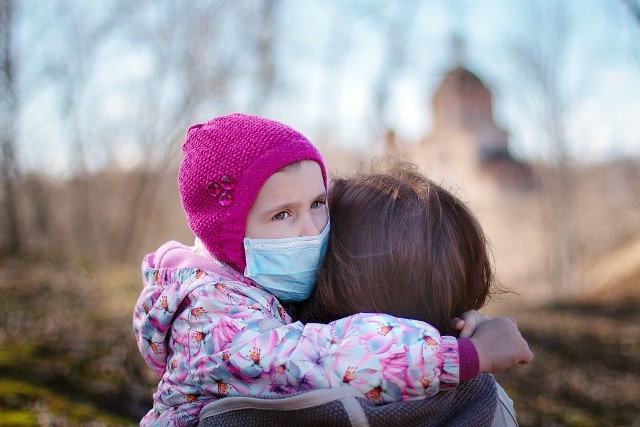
[251, 350]
[229, 338]
[386, 358]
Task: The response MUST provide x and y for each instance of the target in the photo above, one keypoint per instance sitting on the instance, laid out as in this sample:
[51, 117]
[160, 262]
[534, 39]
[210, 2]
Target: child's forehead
[302, 169]
[296, 182]
[295, 165]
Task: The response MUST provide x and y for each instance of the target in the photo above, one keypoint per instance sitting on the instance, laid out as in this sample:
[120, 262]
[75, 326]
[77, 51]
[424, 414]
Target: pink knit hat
[226, 162]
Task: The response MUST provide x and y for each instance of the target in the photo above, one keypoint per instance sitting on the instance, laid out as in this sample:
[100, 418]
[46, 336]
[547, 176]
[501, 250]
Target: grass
[66, 358]
[27, 402]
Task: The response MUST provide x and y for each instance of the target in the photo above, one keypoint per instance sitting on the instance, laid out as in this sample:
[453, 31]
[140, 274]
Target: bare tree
[196, 54]
[395, 24]
[634, 8]
[395, 51]
[195, 65]
[8, 119]
[265, 51]
[195, 57]
[540, 59]
[76, 70]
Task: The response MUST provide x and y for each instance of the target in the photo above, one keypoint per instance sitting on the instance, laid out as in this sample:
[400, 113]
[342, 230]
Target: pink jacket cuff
[469, 360]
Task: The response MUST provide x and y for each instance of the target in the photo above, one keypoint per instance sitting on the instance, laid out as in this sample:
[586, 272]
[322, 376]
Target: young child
[208, 321]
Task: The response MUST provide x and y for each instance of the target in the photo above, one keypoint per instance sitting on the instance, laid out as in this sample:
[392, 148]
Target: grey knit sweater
[472, 403]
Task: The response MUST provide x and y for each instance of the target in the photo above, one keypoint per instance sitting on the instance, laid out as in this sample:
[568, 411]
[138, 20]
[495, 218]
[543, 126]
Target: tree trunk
[8, 117]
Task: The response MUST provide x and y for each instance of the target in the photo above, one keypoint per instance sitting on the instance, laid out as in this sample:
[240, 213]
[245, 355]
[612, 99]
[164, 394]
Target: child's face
[291, 203]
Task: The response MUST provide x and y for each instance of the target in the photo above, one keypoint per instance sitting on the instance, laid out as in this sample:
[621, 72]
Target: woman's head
[227, 160]
[400, 244]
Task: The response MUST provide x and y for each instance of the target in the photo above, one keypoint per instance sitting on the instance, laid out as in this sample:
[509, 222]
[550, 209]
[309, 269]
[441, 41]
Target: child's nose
[308, 227]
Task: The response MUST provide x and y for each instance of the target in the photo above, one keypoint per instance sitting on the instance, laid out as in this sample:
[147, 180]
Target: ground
[585, 372]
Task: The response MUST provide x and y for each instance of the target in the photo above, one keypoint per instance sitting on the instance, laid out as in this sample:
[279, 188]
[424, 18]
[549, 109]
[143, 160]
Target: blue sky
[329, 55]
[600, 69]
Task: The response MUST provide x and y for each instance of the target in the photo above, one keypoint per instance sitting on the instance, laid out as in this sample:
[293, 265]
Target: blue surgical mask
[287, 268]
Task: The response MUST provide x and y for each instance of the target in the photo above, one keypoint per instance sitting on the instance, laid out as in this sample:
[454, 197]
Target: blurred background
[527, 110]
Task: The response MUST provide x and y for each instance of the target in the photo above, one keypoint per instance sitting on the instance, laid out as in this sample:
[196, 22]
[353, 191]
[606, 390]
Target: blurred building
[466, 147]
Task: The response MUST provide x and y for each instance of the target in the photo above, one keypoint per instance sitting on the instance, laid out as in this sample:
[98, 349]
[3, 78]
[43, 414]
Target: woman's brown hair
[400, 244]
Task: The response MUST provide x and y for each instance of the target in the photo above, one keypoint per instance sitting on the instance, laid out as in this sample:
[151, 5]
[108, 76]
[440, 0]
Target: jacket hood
[167, 284]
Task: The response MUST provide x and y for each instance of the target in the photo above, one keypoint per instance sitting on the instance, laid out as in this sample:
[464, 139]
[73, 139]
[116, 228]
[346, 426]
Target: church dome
[462, 101]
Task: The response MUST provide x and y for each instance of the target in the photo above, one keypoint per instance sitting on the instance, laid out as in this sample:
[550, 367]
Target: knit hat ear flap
[226, 162]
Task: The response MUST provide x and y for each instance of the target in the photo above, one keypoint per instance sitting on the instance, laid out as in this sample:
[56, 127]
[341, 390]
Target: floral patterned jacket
[209, 332]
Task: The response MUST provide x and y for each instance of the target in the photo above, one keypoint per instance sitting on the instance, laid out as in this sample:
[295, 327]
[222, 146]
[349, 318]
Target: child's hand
[467, 325]
[500, 345]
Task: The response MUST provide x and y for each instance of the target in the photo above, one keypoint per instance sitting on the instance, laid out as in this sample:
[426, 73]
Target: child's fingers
[527, 356]
[472, 319]
[457, 324]
[468, 329]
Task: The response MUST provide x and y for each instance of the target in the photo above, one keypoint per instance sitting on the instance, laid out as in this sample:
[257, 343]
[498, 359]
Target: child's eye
[318, 203]
[280, 216]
